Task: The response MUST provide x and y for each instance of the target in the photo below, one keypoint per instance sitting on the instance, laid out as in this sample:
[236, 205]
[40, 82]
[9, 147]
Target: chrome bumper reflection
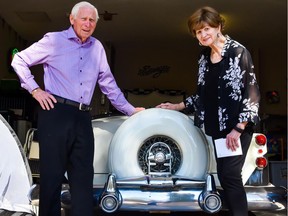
[268, 198]
[261, 199]
[161, 194]
[180, 194]
[175, 194]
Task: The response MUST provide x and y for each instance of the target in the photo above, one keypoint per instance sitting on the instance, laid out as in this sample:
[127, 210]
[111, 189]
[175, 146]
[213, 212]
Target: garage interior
[152, 56]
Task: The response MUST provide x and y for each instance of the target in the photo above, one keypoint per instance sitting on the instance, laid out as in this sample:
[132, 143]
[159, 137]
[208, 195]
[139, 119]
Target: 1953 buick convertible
[157, 160]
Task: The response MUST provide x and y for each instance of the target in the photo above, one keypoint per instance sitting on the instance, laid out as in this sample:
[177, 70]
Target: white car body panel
[15, 175]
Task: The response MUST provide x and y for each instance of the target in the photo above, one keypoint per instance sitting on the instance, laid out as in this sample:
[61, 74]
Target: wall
[181, 61]
[270, 68]
[273, 77]
[8, 39]
[270, 63]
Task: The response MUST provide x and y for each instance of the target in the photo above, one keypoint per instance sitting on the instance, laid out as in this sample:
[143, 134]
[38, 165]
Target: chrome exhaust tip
[210, 200]
[109, 203]
[110, 200]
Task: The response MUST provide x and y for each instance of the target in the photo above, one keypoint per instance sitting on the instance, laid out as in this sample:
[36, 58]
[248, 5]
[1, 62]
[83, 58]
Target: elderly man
[74, 62]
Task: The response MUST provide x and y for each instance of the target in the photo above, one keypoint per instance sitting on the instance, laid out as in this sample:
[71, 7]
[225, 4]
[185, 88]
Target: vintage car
[15, 174]
[157, 160]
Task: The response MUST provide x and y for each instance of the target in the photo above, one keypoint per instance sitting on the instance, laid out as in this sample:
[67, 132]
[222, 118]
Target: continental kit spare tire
[158, 141]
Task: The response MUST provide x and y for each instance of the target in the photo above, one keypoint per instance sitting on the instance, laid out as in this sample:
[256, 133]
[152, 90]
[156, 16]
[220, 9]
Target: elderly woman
[226, 101]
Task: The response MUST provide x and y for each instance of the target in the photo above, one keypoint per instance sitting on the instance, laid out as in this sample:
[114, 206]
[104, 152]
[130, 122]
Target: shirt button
[81, 58]
[80, 83]
[80, 71]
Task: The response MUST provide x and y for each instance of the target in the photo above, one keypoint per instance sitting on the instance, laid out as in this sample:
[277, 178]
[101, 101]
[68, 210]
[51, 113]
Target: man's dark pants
[66, 144]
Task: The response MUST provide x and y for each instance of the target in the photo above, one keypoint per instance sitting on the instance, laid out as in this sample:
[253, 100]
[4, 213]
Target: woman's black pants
[229, 173]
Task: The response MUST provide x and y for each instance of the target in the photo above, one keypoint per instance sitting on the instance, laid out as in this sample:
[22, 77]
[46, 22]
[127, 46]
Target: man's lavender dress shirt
[71, 68]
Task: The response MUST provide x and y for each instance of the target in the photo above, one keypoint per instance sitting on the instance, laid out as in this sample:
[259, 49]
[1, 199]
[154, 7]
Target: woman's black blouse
[237, 90]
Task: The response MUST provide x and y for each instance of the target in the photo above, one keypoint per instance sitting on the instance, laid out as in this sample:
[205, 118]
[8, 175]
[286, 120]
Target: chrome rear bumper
[186, 195]
[160, 194]
[174, 194]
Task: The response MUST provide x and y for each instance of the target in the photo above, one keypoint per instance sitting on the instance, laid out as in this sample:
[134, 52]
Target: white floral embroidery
[192, 101]
[201, 117]
[202, 67]
[189, 101]
[250, 110]
[236, 44]
[196, 97]
[229, 43]
[235, 75]
[222, 118]
[253, 80]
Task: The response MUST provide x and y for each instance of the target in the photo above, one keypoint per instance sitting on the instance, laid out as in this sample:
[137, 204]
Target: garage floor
[98, 213]
[222, 213]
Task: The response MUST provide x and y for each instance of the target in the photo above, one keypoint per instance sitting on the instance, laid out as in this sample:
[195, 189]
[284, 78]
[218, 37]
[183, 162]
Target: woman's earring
[200, 44]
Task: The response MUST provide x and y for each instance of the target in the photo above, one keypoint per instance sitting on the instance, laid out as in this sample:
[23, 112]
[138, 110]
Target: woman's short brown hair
[205, 15]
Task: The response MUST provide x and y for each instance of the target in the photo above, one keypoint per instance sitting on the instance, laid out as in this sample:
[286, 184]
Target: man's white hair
[77, 6]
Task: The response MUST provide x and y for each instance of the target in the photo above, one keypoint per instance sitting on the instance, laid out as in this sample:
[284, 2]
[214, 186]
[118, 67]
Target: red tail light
[261, 162]
[260, 139]
[260, 151]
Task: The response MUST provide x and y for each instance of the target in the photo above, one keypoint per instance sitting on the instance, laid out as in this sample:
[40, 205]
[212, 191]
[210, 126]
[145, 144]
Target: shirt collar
[72, 35]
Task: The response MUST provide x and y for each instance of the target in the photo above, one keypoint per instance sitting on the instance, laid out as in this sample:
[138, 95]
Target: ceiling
[260, 22]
